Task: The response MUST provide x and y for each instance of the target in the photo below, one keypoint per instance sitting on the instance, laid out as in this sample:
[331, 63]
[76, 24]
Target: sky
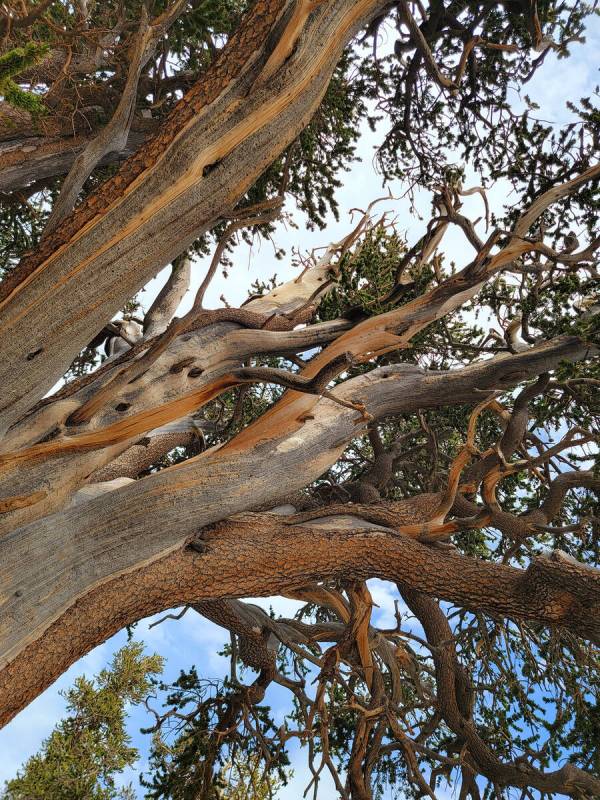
[194, 640]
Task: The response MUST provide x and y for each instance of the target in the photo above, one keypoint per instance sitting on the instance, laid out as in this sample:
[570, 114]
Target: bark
[48, 564]
[141, 456]
[218, 140]
[168, 299]
[259, 555]
[40, 478]
[26, 159]
[188, 370]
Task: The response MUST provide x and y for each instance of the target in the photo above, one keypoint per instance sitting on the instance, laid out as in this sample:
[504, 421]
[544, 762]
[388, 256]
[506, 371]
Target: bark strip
[220, 138]
[260, 555]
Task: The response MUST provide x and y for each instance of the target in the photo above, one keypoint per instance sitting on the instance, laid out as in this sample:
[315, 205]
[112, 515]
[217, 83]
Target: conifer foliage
[418, 409]
[87, 750]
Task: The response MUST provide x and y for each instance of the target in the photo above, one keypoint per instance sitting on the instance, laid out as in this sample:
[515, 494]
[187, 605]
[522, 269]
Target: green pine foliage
[90, 746]
[187, 762]
[13, 63]
[21, 58]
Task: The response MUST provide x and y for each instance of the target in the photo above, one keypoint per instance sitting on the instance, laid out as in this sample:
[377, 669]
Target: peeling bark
[219, 139]
[258, 555]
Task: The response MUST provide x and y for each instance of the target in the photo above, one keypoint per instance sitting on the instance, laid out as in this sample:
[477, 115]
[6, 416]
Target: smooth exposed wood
[191, 367]
[221, 136]
[47, 565]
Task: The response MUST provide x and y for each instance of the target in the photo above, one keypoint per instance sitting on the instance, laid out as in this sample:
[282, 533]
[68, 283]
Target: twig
[170, 616]
[421, 43]
[259, 214]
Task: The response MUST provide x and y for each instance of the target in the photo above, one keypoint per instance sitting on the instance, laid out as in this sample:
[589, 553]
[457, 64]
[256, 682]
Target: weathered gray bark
[238, 123]
[174, 385]
[167, 302]
[27, 160]
[47, 565]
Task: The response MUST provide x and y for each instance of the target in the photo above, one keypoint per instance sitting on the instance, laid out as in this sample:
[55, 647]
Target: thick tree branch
[260, 555]
[142, 522]
[561, 485]
[124, 233]
[167, 301]
[23, 472]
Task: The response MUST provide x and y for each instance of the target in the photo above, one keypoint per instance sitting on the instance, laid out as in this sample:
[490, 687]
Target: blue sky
[194, 640]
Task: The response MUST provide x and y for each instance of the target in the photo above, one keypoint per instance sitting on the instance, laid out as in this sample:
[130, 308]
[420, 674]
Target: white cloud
[384, 594]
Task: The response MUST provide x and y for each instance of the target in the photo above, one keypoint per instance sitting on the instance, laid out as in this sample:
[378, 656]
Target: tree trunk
[218, 140]
[89, 542]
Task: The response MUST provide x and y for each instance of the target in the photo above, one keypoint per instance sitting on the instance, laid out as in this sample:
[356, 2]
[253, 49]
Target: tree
[438, 433]
[84, 752]
[188, 760]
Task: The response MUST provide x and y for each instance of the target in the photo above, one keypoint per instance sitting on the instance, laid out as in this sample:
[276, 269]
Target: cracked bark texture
[219, 139]
[164, 510]
[258, 555]
[94, 532]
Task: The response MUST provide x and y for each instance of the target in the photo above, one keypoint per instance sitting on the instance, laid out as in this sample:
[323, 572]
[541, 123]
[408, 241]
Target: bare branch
[113, 137]
[168, 299]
